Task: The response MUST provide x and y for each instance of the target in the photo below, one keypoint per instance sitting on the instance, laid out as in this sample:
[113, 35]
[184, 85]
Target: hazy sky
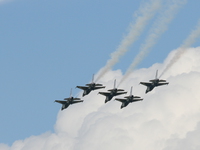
[49, 47]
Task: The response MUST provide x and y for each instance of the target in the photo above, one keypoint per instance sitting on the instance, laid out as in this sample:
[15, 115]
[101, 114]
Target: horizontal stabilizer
[120, 93]
[76, 99]
[111, 89]
[120, 90]
[131, 96]
[127, 96]
[152, 80]
[99, 84]
[162, 80]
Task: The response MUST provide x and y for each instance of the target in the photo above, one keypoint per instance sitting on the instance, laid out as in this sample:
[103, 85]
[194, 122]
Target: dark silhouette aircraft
[68, 101]
[112, 92]
[90, 87]
[128, 99]
[154, 83]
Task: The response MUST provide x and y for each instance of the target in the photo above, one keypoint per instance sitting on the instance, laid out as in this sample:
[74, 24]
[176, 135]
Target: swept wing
[61, 102]
[135, 100]
[159, 84]
[104, 93]
[146, 83]
[121, 99]
[82, 87]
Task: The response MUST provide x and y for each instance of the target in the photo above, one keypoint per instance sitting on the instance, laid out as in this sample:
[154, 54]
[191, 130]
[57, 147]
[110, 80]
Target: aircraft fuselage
[154, 83]
[111, 95]
[124, 104]
[64, 106]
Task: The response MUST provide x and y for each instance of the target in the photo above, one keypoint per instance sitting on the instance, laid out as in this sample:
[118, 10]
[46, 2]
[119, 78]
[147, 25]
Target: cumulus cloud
[167, 119]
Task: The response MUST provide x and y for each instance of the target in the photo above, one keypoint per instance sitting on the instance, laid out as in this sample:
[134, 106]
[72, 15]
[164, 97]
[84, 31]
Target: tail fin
[156, 74]
[71, 92]
[131, 91]
[115, 84]
[93, 78]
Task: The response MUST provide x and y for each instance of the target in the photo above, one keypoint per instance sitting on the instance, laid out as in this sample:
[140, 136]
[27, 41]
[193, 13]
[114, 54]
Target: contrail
[186, 44]
[159, 27]
[145, 13]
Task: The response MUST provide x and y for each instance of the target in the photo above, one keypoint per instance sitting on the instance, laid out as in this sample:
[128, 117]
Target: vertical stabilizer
[156, 74]
[71, 92]
[115, 84]
[93, 78]
[131, 91]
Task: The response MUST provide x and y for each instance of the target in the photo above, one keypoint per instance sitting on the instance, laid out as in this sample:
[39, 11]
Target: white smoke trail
[186, 44]
[159, 27]
[145, 13]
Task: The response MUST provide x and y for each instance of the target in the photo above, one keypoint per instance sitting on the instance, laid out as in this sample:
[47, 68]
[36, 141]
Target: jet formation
[111, 92]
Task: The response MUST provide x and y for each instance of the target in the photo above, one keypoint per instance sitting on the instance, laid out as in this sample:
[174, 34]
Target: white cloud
[167, 118]
[191, 141]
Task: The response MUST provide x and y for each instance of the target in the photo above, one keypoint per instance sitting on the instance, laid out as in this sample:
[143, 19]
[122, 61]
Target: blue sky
[47, 48]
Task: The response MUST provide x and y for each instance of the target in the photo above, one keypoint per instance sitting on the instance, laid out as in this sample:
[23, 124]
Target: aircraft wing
[100, 87]
[136, 96]
[104, 93]
[82, 87]
[159, 84]
[121, 99]
[120, 93]
[135, 100]
[145, 83]
[61, 102]
[95, 84]
[120, 89]
[73, 102]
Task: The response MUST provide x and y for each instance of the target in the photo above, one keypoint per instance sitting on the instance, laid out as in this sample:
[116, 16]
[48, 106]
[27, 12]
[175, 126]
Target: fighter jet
[128, 99]
[112, 92]
[154, 83]
[68, 101]
[90, 87]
